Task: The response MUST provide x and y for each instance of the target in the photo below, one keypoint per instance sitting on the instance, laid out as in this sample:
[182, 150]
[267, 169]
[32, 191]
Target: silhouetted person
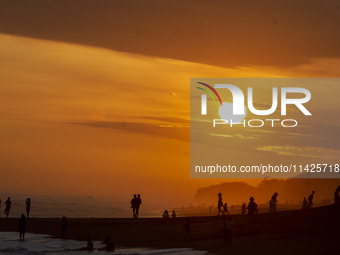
[8, 204]
[251, 207]
[226, 228]
[28, 207]
[310, 199]
[133, 205]
[187, 228]
[0, 208]
[89, 246]
[304, 204]
[225, 209]
[166, 215]
[63, 227]
[219, 204]
[138, 203]
[173, 215]
[22, 227]
[109, 245]
[336, 196]
[243, 208]
[272, 203]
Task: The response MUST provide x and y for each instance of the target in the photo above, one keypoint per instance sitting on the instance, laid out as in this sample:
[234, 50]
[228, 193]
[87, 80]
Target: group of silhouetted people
[136, 201]
[107, 241]
[22, 220]
[8, 205]
[166, 214]
[221, 208]
[306, 204]
[90, 247]
[227, 222]
[253, 207]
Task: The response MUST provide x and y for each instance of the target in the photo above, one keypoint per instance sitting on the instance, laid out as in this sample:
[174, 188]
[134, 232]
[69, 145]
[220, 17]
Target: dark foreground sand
[314, 231]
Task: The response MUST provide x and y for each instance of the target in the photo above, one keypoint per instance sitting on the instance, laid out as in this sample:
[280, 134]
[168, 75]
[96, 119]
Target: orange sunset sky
[94, 95]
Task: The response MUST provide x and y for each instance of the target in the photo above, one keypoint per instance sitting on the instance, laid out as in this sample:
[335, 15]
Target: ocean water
[36, 244]
[74, 207]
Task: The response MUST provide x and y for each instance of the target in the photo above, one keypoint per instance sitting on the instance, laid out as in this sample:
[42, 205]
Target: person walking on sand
[138, 203]
[63, 227]
[22, 226]
[133, 205]
[28, 207]
[310, 199]
[8, 204]
[225, 210]
[226, 227]
[219, 204]
[272, 203]
[187, 228]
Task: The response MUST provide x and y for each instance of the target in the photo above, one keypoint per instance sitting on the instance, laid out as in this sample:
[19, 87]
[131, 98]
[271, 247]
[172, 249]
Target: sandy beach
[289, 232]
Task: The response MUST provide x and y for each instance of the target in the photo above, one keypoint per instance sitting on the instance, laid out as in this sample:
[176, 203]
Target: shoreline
[286, 232]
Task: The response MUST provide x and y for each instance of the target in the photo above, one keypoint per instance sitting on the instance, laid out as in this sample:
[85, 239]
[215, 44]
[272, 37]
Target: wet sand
[311, 231]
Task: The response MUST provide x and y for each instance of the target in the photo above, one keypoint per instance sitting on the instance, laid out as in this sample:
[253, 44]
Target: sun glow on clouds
[84, 83]
[309, 152]
[88, 117]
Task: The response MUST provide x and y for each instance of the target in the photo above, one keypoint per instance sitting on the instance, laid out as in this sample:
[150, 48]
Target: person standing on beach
[138, 203]
[304, 204]
[219, 204]
[243, 208]
[251, 207]
[133, 205]
[63, 227]
[310, 199]
[22, 226]
[28, 207]
[8, 204]
[272, 203]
